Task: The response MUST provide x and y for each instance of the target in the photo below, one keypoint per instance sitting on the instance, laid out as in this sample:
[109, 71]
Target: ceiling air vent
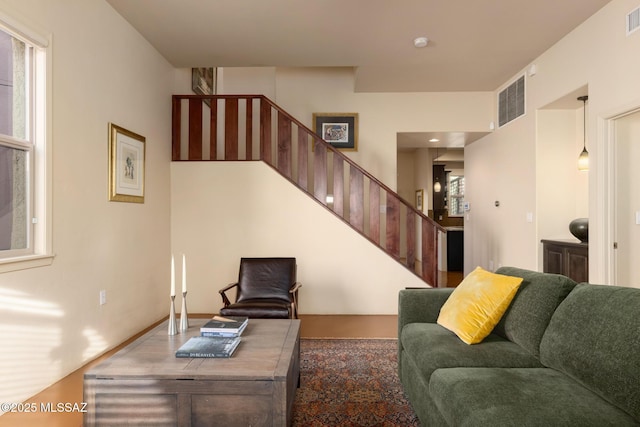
[633, 20]
[511, 102]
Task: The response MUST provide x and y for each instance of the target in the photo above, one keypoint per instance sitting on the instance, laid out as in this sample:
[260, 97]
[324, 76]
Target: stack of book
[228, 327]
[219, 337]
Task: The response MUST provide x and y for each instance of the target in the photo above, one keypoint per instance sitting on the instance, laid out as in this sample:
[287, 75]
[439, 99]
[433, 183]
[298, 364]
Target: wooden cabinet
[566, 257]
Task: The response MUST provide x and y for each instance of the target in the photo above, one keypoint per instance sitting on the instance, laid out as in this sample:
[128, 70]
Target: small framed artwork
[338, 129]
[126, 165]
[203, 81]
[419, 199]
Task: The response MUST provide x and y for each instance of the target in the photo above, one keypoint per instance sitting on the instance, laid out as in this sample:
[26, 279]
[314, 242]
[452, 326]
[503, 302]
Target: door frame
[606, 185]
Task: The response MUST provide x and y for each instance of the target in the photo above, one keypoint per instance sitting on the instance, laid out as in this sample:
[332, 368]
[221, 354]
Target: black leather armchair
[266, 288]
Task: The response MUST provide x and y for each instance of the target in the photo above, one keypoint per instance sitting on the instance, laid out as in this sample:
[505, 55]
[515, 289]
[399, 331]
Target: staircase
[251, 127]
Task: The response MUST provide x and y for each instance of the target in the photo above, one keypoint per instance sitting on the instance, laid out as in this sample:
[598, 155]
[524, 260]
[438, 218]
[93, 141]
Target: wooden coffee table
[145, 384]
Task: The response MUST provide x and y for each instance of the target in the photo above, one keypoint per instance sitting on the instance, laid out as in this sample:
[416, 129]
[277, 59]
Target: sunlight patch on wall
[43, 344]
[30, 330]
[97, 344]
[19, 302]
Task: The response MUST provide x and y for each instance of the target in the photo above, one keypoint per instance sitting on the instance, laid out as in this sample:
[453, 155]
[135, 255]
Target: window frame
[38, 145]
[455, 198]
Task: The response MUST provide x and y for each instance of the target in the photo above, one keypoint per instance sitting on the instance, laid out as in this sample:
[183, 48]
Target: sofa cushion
[519, 397]
[430, 347]
[477, 304]
[529, 314]
[594, 337]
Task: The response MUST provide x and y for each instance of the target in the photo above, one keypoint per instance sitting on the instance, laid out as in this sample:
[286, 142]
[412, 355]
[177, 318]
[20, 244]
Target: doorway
[626, 216]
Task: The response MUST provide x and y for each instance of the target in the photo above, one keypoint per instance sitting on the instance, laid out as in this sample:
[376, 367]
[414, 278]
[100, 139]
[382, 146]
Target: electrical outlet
[103, 297]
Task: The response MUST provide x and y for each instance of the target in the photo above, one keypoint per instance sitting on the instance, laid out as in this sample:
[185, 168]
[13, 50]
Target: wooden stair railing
[252, 127]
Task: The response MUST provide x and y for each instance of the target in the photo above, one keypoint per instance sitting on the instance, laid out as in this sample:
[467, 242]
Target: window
[456, 195]
[23, 155]
[16, 147]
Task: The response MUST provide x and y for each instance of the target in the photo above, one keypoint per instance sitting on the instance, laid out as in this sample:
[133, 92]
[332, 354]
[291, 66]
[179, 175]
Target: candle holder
[173, 329]
[184, 316]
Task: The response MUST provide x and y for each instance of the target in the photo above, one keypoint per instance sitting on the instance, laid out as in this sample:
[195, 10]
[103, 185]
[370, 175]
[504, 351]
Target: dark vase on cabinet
[566, 257]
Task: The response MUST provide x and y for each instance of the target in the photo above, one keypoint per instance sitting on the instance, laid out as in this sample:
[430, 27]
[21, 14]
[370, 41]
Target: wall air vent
[633, 21]
[511, 102]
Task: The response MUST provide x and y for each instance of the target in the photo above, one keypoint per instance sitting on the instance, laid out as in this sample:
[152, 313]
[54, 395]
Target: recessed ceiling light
[434, 140]
[420, 42]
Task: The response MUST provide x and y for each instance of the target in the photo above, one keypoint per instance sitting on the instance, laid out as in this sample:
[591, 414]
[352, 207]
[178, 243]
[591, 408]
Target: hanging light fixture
[436, 185]
[583, 159]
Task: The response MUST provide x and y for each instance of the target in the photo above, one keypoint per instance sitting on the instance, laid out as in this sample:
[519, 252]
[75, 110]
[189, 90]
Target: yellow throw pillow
[476, 306]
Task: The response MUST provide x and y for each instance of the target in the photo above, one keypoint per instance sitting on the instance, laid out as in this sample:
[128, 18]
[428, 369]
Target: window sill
[25, 262]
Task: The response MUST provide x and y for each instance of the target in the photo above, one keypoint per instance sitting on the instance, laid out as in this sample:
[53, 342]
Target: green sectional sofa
[563, 354]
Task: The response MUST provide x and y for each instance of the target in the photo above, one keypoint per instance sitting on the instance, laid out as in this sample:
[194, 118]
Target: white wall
[50, 319]
[407, 176]
[304, 91]
[502, 166]
[248, 81]
[246, 209]
[562, 190]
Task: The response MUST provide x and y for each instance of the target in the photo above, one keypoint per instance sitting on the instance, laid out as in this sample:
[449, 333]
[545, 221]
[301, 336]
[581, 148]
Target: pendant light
[436, 185]
[583, 159]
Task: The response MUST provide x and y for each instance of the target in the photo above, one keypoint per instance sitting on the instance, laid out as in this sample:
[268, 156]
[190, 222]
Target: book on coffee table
[219, 326]
[208, 347]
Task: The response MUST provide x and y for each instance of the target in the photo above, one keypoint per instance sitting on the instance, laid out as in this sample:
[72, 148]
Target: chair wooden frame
[293, 291]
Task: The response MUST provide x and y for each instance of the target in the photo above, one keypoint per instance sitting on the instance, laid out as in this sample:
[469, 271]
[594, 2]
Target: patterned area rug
[350, 382]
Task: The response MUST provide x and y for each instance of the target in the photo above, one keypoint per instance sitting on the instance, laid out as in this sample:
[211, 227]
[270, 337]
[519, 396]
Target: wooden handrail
[312, 161]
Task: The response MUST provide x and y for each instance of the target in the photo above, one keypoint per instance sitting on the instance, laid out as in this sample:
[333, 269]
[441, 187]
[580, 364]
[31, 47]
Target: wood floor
[69, 389]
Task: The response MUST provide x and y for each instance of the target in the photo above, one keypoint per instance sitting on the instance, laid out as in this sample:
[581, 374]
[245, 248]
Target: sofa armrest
[420, 305]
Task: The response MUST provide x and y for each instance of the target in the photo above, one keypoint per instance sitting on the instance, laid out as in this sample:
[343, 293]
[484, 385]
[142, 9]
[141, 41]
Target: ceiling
[410, 141]
[474, 45]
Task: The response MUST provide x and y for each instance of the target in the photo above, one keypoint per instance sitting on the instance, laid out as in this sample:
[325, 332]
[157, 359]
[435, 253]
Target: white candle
[173, 277]
[184, 274]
